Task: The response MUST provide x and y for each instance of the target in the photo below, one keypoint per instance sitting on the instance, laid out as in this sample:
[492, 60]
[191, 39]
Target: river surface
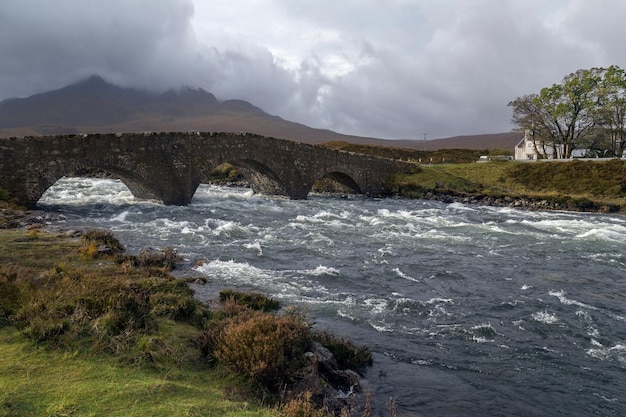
[469, 310]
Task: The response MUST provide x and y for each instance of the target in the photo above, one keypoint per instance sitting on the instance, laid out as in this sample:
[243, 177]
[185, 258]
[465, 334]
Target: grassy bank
[54, 366]
[435, 157]
[576, 185]
[88, 330]
[35, 381]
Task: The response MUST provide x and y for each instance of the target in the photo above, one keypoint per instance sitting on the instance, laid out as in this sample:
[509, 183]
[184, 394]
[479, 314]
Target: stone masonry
[170, 166]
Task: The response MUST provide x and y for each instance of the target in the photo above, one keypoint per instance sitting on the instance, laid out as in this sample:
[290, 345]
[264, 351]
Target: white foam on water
[321, 271]
[381, 326]
[346, 314]
[376, 306]
[81, 191]
[416, 219]
[238, 273]
[256, 245]
[438, 235]
[230, 228]
[318, 238]
[171, 225]
[617, 352]
[437, 312]
[608, 233]
[385, 251]
[404, 276]
[121, 217]
[372, 220]
[232, 269]
[327, 219]
[483, 333]
[460, 207]
[545, 317]
[209, 191]
[581, 229]
[564, 300]
[437, 300]
[291, 285]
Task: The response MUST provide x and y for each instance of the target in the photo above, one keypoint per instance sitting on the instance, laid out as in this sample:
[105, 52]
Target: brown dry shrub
[267, 349]
[97, 243]
[348, 354]
[11, 297]
[302, 407]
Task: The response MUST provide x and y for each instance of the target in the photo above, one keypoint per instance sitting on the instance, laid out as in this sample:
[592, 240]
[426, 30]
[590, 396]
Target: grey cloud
[50, 44]
[138, 43]
[398, 71]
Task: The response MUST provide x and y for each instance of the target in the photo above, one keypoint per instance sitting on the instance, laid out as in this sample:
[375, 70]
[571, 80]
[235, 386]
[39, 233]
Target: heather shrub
[348, 355]
[126, 308]
[254, 301]
[165, 258]
[106, 313]
[172, 298]
[152, 349]
[302, 407]
[230, 312]
[4, 195]
[98, 243]
[267, 349]
[45, 329]
[10, 295]
[175, 306]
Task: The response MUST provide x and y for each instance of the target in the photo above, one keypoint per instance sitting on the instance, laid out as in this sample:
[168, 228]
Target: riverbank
[126, 317]
[393, 274]
[576, 186]
[562, 203]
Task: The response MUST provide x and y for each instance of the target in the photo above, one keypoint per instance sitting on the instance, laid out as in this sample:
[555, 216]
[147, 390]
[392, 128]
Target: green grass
[42, 382]
[87, 330]
[602, 182]
[436, 157]
[429, 179]
[606, 179]
[599, 184]
[69, 348]
[490, 176]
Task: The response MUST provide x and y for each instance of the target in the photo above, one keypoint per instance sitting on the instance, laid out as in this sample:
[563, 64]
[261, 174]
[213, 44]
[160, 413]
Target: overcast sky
[391, 68]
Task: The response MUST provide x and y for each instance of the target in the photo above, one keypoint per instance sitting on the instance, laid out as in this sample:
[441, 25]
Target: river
[469, 310]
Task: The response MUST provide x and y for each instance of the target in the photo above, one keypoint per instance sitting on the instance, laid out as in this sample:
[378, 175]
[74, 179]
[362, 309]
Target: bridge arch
[262, 178]
[139, 187]
[169, 166]
[49, 168]
[338, 181]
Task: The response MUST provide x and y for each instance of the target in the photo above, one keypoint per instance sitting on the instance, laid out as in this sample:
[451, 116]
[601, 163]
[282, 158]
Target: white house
[529, 149]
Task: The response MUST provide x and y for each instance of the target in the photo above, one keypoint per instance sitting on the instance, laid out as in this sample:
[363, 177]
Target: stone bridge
[170, 166]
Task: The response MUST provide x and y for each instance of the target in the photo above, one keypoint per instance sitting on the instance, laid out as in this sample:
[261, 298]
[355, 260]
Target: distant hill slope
[96, 106]
[506, 141]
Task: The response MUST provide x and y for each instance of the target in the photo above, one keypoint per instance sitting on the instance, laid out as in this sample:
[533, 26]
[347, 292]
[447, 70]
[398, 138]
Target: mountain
[97, 106]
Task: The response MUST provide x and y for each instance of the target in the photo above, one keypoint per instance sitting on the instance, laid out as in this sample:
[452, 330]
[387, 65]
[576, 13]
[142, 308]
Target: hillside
[96, 106]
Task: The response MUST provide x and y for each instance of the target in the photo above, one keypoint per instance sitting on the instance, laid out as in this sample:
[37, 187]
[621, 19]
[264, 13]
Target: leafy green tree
[610, 113]
[559, 117]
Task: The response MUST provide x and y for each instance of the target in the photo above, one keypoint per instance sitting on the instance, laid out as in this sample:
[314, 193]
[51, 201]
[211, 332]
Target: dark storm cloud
[50, 43]
[396, 69]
